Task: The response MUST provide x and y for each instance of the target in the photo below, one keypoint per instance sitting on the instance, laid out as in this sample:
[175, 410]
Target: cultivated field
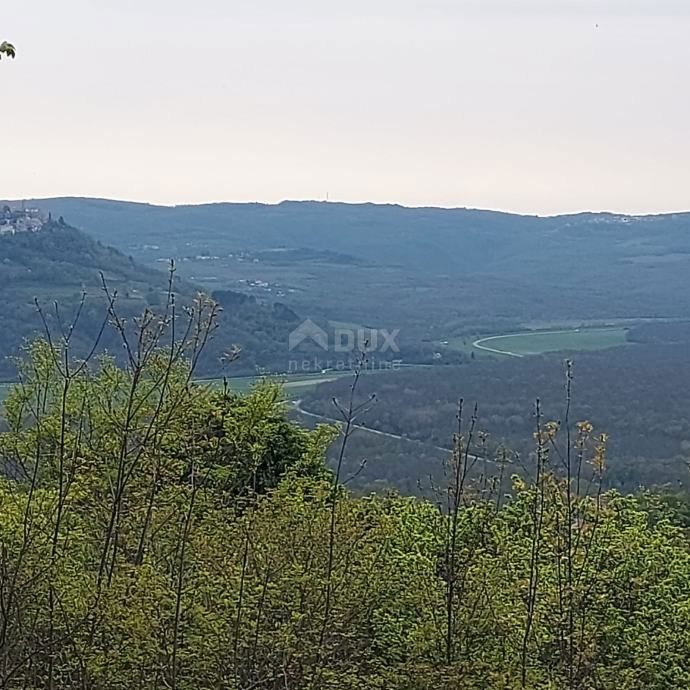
[540, 342]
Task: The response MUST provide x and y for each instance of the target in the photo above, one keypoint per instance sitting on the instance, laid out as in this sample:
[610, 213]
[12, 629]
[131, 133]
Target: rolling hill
[58, 263]
[425, 239]
[427, 270]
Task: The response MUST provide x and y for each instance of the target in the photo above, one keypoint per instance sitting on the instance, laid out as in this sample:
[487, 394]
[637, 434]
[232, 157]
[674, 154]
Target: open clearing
[540, 342]
[293, 384]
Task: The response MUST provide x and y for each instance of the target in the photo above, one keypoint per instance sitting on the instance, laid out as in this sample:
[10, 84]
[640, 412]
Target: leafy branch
[7, 49]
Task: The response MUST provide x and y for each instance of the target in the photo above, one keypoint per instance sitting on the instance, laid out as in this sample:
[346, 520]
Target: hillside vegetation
[62, 264]
[639, 393]
[156, 533]
[433, 272]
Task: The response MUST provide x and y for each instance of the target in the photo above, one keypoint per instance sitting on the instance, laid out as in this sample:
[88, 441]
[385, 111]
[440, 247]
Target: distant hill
[422, 238]
[431, 272]
[57, 263]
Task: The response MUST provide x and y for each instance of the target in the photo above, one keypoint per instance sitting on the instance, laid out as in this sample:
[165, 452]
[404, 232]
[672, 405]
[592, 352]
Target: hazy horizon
[20, 200]
[522, 106]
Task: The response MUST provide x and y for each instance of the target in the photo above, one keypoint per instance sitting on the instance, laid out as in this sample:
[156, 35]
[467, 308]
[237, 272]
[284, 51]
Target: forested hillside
[639, 393]
[60, 264]
[430, 271]
[445, 240]
[159, 533]
[322, 445]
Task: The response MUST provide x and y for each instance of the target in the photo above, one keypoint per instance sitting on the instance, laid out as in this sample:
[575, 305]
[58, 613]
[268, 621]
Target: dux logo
[346, 339]
[308, 330]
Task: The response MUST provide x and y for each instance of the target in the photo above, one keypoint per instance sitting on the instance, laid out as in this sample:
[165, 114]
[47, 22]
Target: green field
[540, 342]
[510, 345]
[294, 384]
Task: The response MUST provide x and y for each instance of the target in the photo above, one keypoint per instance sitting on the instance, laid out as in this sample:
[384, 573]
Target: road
[479, 346]
[526, 334]
[297, 405]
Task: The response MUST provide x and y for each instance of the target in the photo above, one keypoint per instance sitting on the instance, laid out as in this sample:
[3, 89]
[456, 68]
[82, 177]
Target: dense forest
[157, 533]
[639, 393]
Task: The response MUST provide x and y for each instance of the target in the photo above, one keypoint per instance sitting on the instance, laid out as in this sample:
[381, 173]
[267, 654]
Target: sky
[532, 106]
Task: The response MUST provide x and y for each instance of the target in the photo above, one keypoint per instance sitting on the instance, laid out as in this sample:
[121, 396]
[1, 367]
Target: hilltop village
[13, 221]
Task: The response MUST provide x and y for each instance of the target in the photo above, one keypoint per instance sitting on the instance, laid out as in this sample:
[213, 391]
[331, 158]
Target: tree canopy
[157, 533]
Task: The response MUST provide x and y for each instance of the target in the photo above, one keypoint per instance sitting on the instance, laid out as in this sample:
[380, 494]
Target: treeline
[155, 533]
[677, 332]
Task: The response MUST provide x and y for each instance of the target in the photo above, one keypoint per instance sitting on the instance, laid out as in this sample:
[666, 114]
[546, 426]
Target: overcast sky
[525, 105]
